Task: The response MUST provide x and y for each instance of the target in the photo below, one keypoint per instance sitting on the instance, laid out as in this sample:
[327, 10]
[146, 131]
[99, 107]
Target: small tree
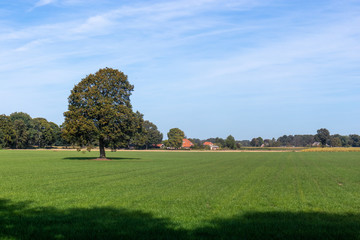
[100, 111]
[257, 142]
[230, 142]
[175, 137]
[153, 135]
[254, 142]
[323, 136]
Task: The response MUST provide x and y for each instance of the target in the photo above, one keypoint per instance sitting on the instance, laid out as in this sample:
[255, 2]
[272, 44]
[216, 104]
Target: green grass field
[179, 195]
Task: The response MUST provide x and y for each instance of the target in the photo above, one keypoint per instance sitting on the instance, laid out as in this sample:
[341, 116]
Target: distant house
[160, 145]
[211, 145]
[186, 144]
[316, 144]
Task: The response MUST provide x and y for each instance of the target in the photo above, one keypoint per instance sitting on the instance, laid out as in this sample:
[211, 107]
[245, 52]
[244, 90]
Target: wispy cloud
[42, 3]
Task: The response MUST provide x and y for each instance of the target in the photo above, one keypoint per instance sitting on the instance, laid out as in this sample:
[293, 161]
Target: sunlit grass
[175, 194]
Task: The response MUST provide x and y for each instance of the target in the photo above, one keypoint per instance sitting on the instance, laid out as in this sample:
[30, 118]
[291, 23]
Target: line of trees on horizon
[322, 138]
[20, 131]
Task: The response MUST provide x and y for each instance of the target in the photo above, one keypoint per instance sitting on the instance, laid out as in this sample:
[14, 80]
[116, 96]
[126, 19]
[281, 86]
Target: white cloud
[94, 25]
[31, 45]
[42, 3]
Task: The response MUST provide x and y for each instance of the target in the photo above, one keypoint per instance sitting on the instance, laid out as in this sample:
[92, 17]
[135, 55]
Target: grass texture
[179, 195]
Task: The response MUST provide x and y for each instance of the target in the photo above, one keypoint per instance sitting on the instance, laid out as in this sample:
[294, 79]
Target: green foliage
[354, 140]
[179, 195]
[20, 131]
[153, 135]
[230, 142]
[198, 144]
[23, 127]
[257, 142]
[175, 137]
[22, 134]
[217, 141]
[323, 136]
[335, 142]
[148, 136]
[100, 111]
[56, 134]
[7, 132]
[166, 143]
[23, 117]
[44, 132]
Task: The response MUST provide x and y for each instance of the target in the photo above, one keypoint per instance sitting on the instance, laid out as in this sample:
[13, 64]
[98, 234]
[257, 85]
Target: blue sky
[212, 68]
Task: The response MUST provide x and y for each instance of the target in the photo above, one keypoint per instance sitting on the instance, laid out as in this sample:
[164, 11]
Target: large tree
[100, 111]
[175, 137]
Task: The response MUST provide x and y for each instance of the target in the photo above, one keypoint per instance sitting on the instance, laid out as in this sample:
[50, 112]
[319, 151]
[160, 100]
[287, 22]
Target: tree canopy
[7, 132]
[230, 142]
[152, 134]
[175, 137]
[323, 136]
[100, 111]
[148, 137]
[21, 131]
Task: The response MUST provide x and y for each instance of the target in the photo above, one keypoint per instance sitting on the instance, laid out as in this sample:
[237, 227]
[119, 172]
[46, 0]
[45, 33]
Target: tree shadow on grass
[20, 221]
[283, 225]
[94, 158]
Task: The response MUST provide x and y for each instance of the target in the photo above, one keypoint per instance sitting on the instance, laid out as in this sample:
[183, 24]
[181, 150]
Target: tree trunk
[102, 148]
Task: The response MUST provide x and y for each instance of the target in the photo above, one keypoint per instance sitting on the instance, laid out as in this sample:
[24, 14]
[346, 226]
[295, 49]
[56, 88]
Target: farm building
[211, 145]
[186, 143]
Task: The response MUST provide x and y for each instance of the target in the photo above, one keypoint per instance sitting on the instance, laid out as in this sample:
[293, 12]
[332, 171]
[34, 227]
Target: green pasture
[179, 195]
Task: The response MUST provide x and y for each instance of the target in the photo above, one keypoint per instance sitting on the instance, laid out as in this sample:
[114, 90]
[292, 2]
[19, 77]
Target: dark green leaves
[100, 111]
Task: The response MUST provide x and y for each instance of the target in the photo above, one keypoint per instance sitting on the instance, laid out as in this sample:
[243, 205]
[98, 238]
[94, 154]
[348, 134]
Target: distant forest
[20, 131]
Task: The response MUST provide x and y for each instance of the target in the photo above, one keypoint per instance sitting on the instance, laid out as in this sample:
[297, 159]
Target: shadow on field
[20, 221]
[94, 158]
[283, 225]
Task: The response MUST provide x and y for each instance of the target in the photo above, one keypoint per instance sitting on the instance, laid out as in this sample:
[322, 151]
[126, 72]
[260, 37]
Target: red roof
[186, 143]
[208, 143]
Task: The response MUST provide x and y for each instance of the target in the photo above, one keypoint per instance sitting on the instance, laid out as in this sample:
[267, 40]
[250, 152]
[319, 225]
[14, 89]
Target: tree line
[20, 131]
[322, 138]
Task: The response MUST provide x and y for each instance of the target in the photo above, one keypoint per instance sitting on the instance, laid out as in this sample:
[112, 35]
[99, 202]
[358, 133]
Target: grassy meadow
[179, 195]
